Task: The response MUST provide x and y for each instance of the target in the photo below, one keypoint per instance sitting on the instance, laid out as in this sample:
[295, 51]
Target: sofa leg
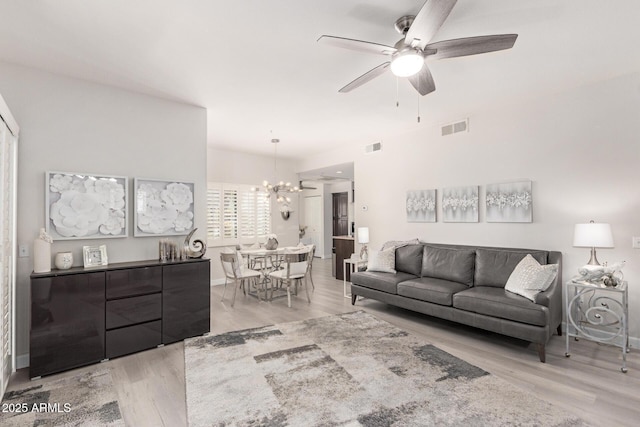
[560, 330]
[353, 298]
[541, 352]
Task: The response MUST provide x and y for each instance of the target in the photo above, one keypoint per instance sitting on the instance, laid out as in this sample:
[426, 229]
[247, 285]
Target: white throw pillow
[529, 278]
[382, 261]
[399, 243]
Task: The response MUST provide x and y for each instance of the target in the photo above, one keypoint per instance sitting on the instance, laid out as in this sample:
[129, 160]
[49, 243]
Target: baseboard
[217, 282]
[22, 361]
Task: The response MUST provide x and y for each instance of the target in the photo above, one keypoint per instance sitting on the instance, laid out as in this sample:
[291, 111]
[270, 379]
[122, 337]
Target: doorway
[340, 209]
[313, 221]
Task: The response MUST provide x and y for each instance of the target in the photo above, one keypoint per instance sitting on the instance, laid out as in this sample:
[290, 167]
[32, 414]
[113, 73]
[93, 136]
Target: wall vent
[461, 126]
[372, 148]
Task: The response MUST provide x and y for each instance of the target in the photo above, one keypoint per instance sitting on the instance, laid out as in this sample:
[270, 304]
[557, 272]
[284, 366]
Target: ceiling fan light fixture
[407, 62]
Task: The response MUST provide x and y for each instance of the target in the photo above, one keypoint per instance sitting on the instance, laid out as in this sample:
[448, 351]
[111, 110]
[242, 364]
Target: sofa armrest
[552, 297]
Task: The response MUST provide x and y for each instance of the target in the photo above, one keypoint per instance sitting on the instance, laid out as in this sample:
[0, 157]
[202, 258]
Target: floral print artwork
[460, 204]
[163, 208]
[509, 202]
[81, 206]
[421, 206]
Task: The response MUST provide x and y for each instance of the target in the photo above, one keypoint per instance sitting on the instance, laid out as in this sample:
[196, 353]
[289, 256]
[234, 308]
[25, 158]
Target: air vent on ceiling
[372, 148]
[461, 126]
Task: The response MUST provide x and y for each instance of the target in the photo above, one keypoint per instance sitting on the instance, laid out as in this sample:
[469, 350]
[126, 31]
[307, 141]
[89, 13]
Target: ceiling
[258, 70]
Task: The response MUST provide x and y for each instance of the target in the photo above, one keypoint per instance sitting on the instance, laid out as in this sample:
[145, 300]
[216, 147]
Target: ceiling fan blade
[471, 45]
[423, 81]
[369, 75]
[357, 45]
[428, 21]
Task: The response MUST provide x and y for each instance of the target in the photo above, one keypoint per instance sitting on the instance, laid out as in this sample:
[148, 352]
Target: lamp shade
[363, 235]
[592, 235]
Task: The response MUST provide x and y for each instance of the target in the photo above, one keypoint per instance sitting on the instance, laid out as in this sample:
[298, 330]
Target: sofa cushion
[529, 278]
[497, 302]
[494, 266]
[437, 291]
[409, 259]
[382, 261]
[385, 282]
[456, 265]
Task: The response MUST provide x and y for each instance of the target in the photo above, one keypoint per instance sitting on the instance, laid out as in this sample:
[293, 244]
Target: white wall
[234, 167]
[580, 149]
[78, 126]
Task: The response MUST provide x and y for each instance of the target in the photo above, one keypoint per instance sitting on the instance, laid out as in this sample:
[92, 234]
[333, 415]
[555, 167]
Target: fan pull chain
[397, 92]
[418, 108]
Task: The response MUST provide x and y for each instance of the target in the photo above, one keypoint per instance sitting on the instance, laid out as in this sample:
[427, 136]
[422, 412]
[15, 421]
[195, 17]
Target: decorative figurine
[199, 247]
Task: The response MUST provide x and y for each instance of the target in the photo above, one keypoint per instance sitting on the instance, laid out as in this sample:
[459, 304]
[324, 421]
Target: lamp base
[594, 259]
[364, 253]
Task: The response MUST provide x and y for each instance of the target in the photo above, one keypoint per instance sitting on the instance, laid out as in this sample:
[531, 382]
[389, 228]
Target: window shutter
[247, 214]
[230, 214]
[214, 212]
[237, 214]
[263, 214]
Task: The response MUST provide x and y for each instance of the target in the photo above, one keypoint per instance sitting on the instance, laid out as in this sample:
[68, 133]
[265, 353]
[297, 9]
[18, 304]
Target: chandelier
[279, 189]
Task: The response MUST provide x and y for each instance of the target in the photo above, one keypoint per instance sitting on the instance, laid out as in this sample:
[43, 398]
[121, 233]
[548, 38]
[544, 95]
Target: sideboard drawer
[129, 311]
[133, 281]
[133, 338]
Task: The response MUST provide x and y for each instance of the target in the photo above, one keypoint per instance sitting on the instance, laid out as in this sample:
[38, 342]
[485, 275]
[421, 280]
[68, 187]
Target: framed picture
[86, 206]
[421, 206]
[509, 202]
[162, 208]
[460, 204]
[94, 256]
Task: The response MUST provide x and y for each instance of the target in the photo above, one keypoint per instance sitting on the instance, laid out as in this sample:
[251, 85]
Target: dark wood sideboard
[82, 316]
[344, 247]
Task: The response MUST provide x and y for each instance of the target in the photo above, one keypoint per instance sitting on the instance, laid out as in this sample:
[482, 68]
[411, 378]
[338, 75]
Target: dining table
[266, 261]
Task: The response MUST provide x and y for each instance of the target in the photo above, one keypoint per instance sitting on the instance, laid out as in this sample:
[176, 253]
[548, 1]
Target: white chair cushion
[282, 274]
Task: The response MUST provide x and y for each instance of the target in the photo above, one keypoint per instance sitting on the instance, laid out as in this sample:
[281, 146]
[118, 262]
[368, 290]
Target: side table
[600, 314]
[354, 265]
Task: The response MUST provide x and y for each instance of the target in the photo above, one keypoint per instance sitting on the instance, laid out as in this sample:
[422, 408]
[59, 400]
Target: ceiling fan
[304, 187]
[408, 55]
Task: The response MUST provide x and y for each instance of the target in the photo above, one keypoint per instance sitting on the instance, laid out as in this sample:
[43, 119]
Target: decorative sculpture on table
[199, 247]
[272, 242]
[610, 276]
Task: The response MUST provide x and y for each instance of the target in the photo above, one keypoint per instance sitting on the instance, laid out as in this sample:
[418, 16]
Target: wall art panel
[163, 208]
[509, 202]
[421, 206]
[460, 204]
[86, 206]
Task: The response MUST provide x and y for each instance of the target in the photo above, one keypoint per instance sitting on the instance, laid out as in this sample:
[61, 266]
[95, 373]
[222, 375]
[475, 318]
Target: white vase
[41, 256]
[64, 260]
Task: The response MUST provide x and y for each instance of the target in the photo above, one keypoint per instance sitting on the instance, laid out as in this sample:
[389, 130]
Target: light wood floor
[151, 384]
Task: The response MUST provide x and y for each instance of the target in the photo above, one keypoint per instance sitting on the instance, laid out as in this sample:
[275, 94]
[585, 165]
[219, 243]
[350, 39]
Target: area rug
[347, 370]
[87, 399]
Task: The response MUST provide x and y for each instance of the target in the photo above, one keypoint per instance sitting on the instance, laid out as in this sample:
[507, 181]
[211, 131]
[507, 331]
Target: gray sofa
[465, 284]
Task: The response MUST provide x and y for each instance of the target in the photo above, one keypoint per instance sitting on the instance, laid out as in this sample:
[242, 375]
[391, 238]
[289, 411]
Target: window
[236, 214]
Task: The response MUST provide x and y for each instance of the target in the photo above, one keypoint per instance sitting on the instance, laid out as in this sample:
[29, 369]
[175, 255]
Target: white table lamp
[593, 235]
[363, 239]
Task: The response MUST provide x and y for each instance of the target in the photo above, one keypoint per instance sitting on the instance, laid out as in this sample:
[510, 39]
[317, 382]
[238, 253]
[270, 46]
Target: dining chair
[234, 270]
[295, 268]
[313, 254]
